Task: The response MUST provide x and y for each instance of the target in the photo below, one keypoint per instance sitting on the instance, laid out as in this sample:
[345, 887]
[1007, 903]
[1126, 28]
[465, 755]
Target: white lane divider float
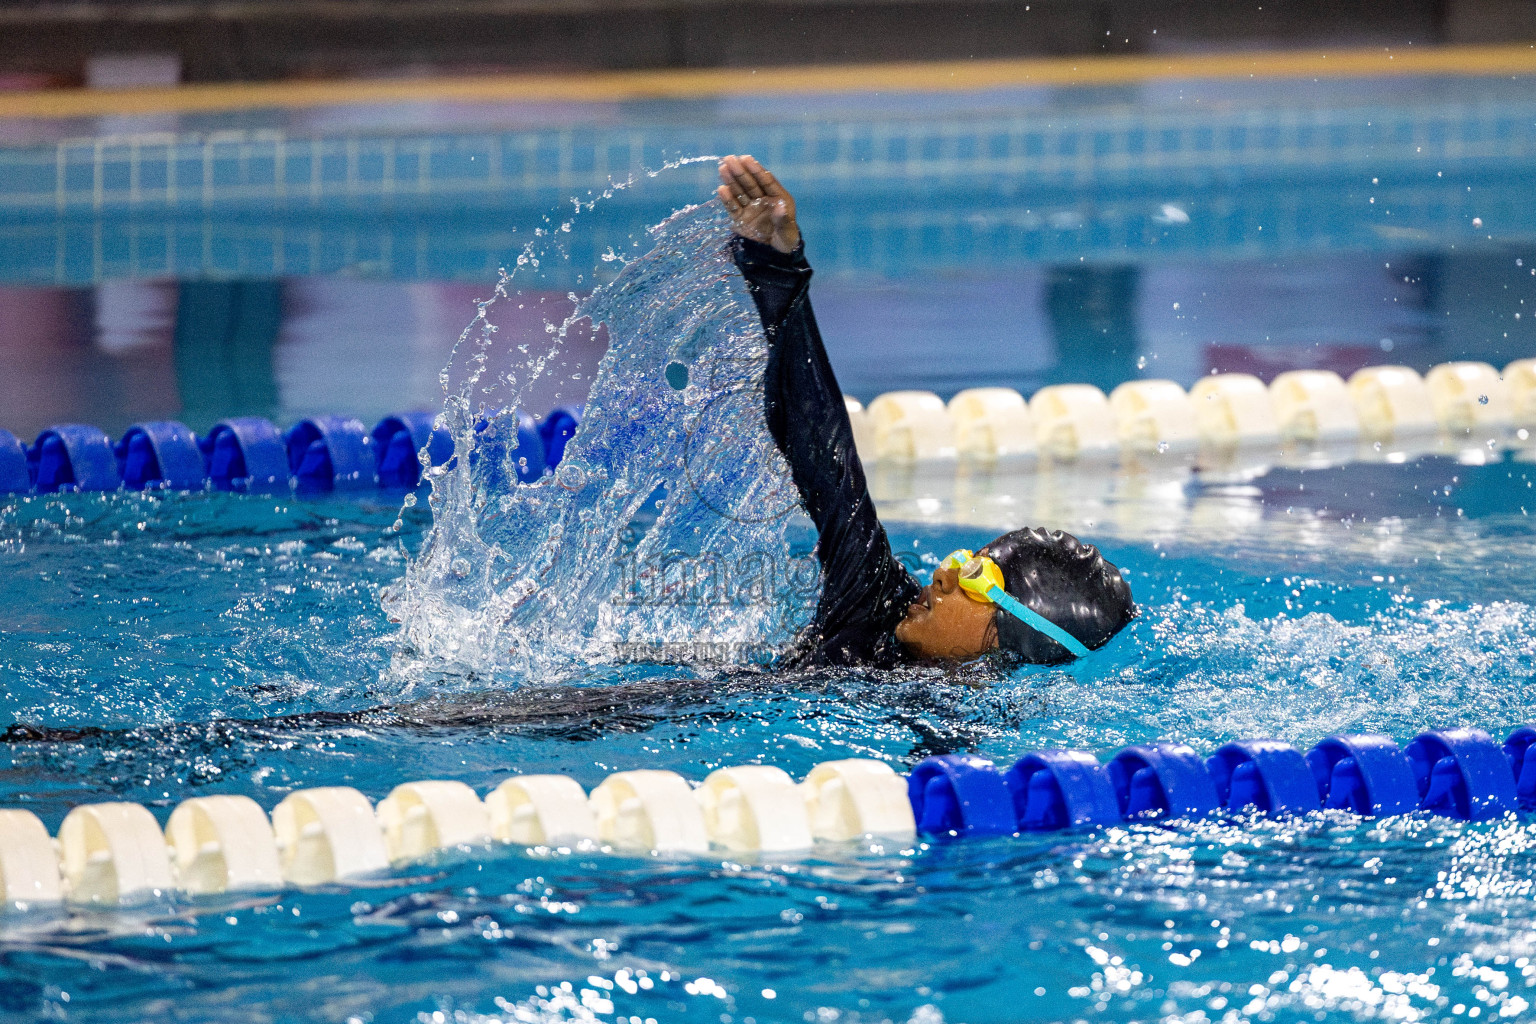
[113, 853]
[857, 797]
[420, 818]
[1153, 418]
[1221, 416]
[992, 424]
[910, 426]
[29, 864]
[1469, 398]
[1234, 410]
[754, 807]
[222, 844]
[328, 834]
[116, 853]
[1073, 422]
[1392, 403]
[649, 809]
[541, 810]
[1314, 407]
[1520, 380]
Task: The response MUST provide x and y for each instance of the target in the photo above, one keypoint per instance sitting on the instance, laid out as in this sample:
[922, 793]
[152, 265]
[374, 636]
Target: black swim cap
[1066, 581]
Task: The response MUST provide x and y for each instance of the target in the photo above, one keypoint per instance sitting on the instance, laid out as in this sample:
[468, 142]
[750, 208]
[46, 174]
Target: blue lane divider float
[245, 454]
[1267, 775]
[398, 439]
[1462, 773]
[1367, 774]
[13, 464]
[1453, 773]
[961, 793]
[508, 446]
[1056, 789]
[1162, 780]
[1518, 749]
[72, 457]
[331, 453]
[160, 454]
[249, 453]
[556, 431]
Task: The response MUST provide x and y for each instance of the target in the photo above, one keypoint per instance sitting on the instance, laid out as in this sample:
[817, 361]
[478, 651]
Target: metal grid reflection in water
[269, 169]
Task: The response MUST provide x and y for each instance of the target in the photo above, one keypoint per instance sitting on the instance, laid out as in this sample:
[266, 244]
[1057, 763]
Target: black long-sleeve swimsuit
[865, 588]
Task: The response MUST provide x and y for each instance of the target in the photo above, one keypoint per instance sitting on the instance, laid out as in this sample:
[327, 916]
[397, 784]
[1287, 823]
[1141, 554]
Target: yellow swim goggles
[982, 581]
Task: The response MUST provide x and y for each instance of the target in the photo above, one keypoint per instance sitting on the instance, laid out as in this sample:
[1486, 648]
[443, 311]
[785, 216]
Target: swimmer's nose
[946, 581]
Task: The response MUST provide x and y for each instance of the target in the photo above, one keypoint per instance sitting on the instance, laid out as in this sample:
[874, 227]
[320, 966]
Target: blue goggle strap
[1035, 620]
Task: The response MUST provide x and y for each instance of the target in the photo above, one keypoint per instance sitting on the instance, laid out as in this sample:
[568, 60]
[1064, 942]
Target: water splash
[671, 530]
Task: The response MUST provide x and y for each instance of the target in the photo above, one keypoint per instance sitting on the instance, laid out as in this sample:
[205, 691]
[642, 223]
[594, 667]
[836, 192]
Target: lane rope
[117, 853]
[1379, 411]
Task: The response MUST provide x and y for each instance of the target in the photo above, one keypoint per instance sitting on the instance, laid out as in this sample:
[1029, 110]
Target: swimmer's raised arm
[761, 208]
[865, 589]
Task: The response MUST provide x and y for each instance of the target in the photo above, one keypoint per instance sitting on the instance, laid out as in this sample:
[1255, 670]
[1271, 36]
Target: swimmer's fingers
[740, 178]
[730, 181]
[781, 230]
[751, 180]
[728, 176]
[765, 181]
[737, 205]
[747, 173]
[760, 207]
[731, 172]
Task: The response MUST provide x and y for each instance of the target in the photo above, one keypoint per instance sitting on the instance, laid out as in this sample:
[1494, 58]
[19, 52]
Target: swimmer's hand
[761, 209]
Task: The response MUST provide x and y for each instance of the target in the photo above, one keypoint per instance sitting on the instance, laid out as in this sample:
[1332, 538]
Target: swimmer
[1034, 595]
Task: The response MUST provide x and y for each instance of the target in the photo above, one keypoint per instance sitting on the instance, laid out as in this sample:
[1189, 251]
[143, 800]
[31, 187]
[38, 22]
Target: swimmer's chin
[917, 610]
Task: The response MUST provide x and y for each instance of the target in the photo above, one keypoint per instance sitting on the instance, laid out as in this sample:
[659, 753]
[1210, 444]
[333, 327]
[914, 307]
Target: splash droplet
[571, 474]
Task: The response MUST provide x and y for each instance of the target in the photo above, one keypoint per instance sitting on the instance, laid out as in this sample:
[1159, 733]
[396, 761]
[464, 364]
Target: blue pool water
[154, 647]
[160, 647]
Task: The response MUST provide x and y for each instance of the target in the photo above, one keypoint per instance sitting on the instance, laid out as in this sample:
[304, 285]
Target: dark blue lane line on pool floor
[1455, 773]
[322, 453]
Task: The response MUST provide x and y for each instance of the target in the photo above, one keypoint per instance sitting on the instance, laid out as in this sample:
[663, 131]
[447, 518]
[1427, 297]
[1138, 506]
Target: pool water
[162, 647]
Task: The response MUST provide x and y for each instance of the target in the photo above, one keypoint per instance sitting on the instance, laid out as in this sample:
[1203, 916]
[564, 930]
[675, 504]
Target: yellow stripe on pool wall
[1461, 61]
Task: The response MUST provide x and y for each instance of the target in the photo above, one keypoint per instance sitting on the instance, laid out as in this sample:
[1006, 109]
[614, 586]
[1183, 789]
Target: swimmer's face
[944, 623]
